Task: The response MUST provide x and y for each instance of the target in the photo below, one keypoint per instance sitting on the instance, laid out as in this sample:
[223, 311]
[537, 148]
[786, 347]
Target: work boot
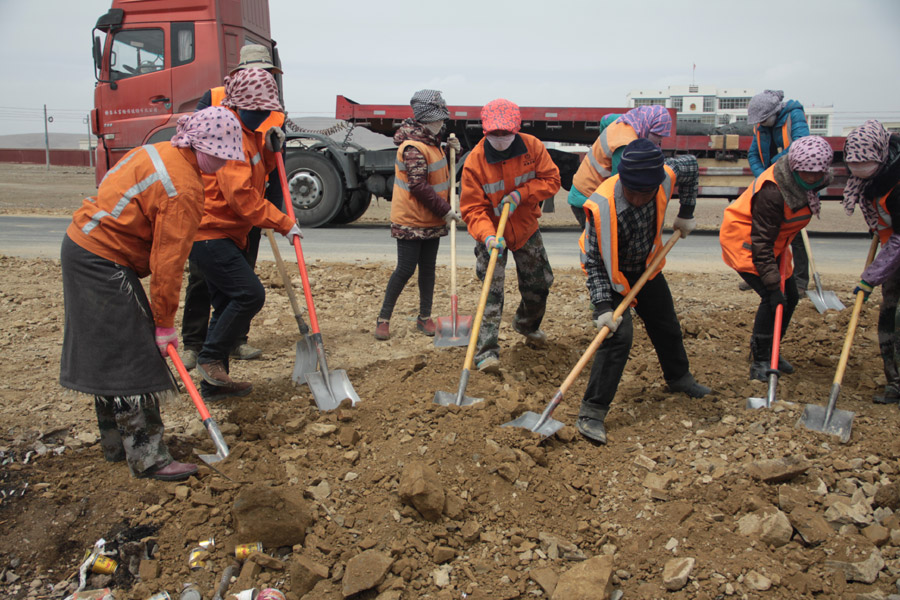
[591, 428]
[689, 386]
[189, 358]
[491, 364]
[383, 330]
[235, 389]
[744, 286]
[891, 395]
[784, 367]
[174, 471]
[214, 373]
[425, 325]
[535, 339]
[246, 352]
[759, 369]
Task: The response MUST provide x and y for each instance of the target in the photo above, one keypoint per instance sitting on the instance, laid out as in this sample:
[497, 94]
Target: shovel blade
[218, 440]
[530, 421]
[445, 336]
[756, 403]
[329, 395]
[817, 300]
[840, 423]
[449, 399]
[305, 361]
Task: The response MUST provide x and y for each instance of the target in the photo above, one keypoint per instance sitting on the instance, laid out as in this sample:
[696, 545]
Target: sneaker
[426, 326]
[535, 339]
[246, 352]
[382, 330]
[232, 390]
[744, 286]
[689, 386]
[174, 471]
[189, 358]
[593, 429]
[214, 373]
[491, 364]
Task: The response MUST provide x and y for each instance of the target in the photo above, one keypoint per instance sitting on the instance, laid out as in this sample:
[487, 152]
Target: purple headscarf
[812, 154]
[868, 142]
[648, 119]
[214, 130]
[252, 89]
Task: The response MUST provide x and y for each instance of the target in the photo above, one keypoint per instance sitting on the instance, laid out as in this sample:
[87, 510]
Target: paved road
[39, 237]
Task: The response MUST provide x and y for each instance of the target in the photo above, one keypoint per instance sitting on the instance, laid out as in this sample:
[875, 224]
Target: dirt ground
[744, 503]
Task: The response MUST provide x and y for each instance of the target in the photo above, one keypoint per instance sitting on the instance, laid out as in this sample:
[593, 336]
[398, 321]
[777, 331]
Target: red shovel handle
[289, 209]
[779, 314]
[188, 382]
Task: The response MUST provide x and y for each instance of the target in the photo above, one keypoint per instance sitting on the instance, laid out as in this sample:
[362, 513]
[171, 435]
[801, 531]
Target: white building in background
[713, 106]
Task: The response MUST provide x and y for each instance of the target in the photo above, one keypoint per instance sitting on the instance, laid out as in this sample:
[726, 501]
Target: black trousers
[801, 263]
[412, 254]
[656, 309]
[764, 322]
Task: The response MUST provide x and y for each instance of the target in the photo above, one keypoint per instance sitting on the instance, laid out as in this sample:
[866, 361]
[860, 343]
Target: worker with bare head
[508, 168]
[142, 222]
[622, 236]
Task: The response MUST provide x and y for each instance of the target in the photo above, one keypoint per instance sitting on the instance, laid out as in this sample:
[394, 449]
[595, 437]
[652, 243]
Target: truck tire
[317, 190]
[355, 205]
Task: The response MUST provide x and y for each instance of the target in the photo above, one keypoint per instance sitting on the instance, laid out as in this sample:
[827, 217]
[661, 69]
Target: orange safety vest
[275, 118]
[405, 209]
[597, 164]
[600, 210]
[734, 233]
[884, 227]
[785, 139]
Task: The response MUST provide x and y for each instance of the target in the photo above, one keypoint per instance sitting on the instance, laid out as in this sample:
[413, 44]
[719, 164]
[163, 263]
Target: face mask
[501, 142]
[808, 186]
[434, 128]
[864, 170]
[770, 121]
[208, 163]
[253, 118]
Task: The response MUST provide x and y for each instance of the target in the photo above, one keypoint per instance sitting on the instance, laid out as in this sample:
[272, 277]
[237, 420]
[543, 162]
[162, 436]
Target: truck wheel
[356, 204]
[316, 187]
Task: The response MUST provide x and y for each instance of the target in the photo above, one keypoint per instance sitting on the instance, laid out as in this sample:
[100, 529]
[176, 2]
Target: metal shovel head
[839, 424]
[530, 420]
[445, 336]
[825, 300]
[448, 399]
[328, 396]
[218, 441]
[305, 361]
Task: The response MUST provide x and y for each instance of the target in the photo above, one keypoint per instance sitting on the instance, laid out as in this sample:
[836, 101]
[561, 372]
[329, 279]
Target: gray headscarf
[764, 105]
[428, 106]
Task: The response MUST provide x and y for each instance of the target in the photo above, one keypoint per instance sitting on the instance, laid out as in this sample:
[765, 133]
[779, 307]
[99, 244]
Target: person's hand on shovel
[776, 297]
[865, 287]
[453, 143]
[452, 216]
[295, 231]
[493, 241]
[605, 319]
[164, 337]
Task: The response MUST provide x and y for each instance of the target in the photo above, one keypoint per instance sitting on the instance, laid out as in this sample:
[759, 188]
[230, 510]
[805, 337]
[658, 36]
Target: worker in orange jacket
[142, 222]
[508, 167]
[235, 203]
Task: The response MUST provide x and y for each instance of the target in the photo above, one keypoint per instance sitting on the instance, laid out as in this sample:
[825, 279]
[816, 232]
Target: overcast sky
[536, 53]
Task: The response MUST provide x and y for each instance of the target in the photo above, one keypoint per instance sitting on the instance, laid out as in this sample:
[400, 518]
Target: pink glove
[164, 337]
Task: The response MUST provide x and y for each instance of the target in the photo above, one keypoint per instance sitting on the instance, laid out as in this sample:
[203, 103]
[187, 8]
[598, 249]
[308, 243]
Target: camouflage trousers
[131, 429]
[889, 332]
[535, 278]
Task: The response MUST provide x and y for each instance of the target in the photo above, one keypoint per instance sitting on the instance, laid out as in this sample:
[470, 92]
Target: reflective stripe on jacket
[597, 164]
[144, 217]
[275, 118]
[601, 213]
[405, 209]
[484, 184]
[737, 224]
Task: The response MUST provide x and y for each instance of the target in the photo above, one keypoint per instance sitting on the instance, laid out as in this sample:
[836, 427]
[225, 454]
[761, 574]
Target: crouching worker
[757, 230]
[622, 236]
[142, 222]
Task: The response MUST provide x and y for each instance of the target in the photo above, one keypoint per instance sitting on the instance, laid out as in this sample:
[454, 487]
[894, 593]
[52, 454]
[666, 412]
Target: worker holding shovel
[873, 157]
[141, 222]
[758, 228]
[508, 168]
[623, 234]
[420, 213]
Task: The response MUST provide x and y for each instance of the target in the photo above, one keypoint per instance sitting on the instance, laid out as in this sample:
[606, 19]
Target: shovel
[829, 419]
[328, 388]
[460, 398]
[822, 300]
[308, 348]
[773, 373]
[453, 330]
[544, 423]
[208, 422]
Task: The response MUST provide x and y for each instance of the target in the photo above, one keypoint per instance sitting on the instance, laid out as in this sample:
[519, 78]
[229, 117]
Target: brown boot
[174, 471]
[214, 373]
[382, 330]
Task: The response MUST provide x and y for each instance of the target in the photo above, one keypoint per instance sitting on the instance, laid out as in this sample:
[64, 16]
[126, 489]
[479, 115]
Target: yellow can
[104, 564]
[197, 558]
[242, 551]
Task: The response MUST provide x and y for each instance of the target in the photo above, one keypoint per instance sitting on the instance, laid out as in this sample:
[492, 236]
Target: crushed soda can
[101, 594]
[190, 592]
[197, 558]
[242, 551]
[160, 596]
[208, 544]
[270, 594]
[104, 565]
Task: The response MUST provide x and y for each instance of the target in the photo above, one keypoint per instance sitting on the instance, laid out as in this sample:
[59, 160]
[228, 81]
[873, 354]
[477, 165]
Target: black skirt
[109, 346]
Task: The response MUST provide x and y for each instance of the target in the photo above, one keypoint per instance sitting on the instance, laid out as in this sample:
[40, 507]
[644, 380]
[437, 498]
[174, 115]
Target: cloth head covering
[429, 106]
[214, 130]
[254, 56]
[642, 166]
[501, 115]
[764, 105]
[251, 89]
[648, 119]
[868, 142]
[811, 153]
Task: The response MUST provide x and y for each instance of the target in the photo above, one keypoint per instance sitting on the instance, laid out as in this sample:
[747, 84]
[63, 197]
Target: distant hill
[58, 141]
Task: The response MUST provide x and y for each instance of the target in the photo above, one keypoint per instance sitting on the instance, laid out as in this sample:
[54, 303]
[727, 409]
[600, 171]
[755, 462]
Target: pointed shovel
[822, 300]
[329, 389]
[208, 422]
[544, 423]
[773, 371]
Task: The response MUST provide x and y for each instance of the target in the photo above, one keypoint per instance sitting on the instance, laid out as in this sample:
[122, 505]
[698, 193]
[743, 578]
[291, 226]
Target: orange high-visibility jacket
[734, 234]
[405, 209]
[275, 118]
[785, 139]
[597, 164]
[885, 226]
[144, 217]
[234, 196]
[600, 210]
[533, 174]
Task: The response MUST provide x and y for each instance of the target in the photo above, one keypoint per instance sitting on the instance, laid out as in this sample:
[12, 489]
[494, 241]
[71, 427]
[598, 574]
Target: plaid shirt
[637, 230]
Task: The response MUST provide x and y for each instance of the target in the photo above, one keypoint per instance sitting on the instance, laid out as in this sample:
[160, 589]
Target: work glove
[453, 142]
[606, 320]
[295, 231]
[164, 337]
[776, 297]
[513, 199]
[865, 287]
[493, 241]
[685, 226]
[451, 216]
[274, 139]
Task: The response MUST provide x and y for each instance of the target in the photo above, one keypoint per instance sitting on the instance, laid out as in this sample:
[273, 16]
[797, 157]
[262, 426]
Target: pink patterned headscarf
[251, 89]
[501, 115]
[214, 130]
[649, 119]
[868, 142]
[812, 154]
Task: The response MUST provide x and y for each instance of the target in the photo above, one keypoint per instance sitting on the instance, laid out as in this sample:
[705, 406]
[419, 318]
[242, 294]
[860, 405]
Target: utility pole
[46, 138]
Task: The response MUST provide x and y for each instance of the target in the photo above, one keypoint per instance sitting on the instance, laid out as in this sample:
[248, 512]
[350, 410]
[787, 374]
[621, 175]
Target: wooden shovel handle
[809, 254]
[854, 320]
[285, 278]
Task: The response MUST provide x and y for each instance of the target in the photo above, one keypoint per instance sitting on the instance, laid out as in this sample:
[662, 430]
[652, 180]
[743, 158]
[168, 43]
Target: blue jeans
[235, 293]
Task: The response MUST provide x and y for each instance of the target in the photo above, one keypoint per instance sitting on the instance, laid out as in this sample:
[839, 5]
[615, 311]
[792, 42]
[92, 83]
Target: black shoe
[592, 429]
[891, 395]
[174, 471]
[784, 367]
[759, 370]
[689, 386]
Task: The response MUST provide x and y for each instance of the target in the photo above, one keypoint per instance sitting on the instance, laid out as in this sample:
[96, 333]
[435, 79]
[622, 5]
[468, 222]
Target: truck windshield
[136, 52]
